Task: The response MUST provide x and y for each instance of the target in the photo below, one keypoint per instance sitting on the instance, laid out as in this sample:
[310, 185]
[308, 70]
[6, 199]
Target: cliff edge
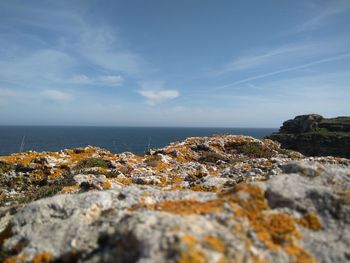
[314, 135]
[222, 198]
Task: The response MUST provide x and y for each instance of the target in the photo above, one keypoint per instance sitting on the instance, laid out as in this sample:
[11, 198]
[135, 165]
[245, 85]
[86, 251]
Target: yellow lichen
[15, 259]
[280, 228]
[124, 180]
[215, 244]
[298, 254]
[310, 221]
[201, 188]
[277, 231]
[55, 173]
[70, 189]
[42, 258]
[107, 184]
[176, 180]
[187, 207]
[193, 253]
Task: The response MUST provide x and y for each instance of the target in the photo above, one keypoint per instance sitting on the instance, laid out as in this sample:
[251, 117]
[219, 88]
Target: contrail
[321, 61]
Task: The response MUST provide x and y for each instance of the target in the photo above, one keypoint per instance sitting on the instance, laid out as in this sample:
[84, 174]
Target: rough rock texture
[220, 199]
[314, 135]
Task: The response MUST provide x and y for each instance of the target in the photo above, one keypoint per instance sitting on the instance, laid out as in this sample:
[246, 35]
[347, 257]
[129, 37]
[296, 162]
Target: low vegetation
[250, 149]
[90, 163]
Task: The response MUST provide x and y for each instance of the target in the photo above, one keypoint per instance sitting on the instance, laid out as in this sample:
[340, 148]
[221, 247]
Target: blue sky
[173, 63]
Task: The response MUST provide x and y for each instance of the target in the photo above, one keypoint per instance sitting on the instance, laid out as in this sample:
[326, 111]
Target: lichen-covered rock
[222, 198]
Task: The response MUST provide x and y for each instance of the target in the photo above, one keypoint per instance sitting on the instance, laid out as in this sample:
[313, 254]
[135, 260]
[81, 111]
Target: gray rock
[314, 188]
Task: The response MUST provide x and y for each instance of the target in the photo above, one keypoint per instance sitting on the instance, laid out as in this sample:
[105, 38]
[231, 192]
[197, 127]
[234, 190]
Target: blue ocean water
[114, 139]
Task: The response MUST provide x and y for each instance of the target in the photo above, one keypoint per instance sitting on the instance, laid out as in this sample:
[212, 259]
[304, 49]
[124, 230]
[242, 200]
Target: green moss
[249, 148]
[152, 160]
[91, 162]
[256, 150]
[42, 192]
[5, 167]
[211, 157]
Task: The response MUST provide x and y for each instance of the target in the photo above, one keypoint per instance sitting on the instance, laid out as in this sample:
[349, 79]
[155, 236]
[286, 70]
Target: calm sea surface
[114, 139]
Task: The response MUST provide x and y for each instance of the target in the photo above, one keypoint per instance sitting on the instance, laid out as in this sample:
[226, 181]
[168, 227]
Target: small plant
[250, 149]
[256, 150]
[42, 192]
[5, 167]
[153, 160]
[211, 157]
[91, 162]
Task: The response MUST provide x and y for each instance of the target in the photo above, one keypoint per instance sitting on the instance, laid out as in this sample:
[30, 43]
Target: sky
[187, 63]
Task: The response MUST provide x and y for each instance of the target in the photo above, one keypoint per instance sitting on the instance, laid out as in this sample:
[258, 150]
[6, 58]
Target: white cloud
[40, 67]
[106, 80]
[158, 95]
[56, 96]
[81, 80]
[112, 80]
[103, 47]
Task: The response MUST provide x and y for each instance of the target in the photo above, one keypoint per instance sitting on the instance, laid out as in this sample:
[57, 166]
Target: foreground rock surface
[314, 135]
[222, 198]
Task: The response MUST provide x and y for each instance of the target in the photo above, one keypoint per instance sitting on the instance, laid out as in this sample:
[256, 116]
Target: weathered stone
[261, 204]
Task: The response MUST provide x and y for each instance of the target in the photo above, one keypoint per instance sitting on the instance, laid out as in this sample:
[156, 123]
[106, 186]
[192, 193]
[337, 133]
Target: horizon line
[126, 126]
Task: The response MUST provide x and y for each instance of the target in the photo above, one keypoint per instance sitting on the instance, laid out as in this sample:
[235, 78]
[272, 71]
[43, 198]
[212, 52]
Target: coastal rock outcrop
[314, 135]
[222, 198]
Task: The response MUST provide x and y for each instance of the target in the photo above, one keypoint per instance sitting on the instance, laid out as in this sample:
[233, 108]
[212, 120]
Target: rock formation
[222, 198]
[314, 135]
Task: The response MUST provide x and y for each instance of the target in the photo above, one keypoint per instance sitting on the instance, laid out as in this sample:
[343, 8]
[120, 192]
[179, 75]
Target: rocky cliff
[314, 135]
[222, 198]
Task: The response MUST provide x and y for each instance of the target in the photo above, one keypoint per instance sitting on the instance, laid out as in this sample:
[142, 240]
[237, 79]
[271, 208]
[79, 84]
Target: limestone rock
[221, 198]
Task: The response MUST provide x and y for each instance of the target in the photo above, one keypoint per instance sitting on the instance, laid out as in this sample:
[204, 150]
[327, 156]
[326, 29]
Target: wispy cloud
[289, 69]
[95, 55]
[155, 93]
[323, 13]
[56, 96]
[266, 57]
[103, 48]
[4, 93]
[105, 80]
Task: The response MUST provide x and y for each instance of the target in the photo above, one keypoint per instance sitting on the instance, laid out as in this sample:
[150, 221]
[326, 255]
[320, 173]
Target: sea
[115, 139]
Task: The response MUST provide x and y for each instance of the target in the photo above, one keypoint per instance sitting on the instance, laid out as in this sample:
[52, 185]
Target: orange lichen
[215, 244]
[298, 254]
[70, 189]
[55, 173]
[162, 166]
[310, 221]
[201, 188]
[188, 207]
[176, 180]
[266, 164]
[15, 259]
[124, 180]
[107, 184]
[280, 229]
[276, 231]
[193, 252]
[42, 258]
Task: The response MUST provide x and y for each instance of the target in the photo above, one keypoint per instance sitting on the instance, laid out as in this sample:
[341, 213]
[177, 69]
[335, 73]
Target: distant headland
[314, 135]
